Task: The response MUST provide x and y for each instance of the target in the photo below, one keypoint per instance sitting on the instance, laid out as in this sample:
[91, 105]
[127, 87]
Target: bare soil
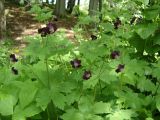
[21, 23]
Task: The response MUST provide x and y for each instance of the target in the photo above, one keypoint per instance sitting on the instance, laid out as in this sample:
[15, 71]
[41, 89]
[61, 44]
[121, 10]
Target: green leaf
[85, 104]
[156, 39]
[8, 76]
[145, 2]
[67, 86]
[93, 117]
[156, 72]
[152, 12]
[130, 99]
[6, 104]
[137, 42]
[146, 30]
[101, 107]
[72, 114]
[35, 9]
[108, 27]
[158, 102]
[147, 100]
[121, 115]
[72, 97]
[85, 20]
[27, 93]
[145, 85]
[91, 83]
[91, 50]
[135, 66]
[29, 111]
[58, 99]
[149, 119]
[108, 76]
[39, 70]
[43, 98]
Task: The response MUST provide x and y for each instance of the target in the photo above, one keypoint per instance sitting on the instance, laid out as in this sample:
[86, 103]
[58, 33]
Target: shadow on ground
[21, 24]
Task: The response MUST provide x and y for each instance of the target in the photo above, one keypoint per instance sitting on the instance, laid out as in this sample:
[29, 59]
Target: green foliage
[6, 104]
[42, 14]
[124, 65]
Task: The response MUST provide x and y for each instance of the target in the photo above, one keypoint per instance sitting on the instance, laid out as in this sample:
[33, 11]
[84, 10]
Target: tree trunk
[2, 20]
[78, 2]
[52, 2]
[60, 8]
[70, 5]
[47, 1]
[93, 7]
[100, 9]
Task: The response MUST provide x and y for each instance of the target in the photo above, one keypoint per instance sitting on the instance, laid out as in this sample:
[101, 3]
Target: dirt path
[21, 24]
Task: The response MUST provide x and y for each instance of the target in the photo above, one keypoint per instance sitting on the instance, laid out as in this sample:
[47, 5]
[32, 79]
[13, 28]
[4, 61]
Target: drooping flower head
[15, 71]
[49, 29]
[120, 68]
[87, 75]
[117, 23]
[93, 37]
[115, 54]
[44, 31]
[13, 58]
[52, 27]
[76, 63]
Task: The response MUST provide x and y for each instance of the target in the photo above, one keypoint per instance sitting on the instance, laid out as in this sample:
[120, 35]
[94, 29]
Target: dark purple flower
[13, 58]
[93, 37]
[115, 54]
[117, 23]
[39, 30]
[52, 27]
[133, 20]
[120, 68]
[15, 71]
[87, 75]
[76, 63]
[44, 31]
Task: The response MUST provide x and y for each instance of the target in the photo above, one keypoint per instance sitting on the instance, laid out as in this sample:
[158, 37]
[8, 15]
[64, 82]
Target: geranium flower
[87, 75]
[49, 29]
[15, 71]
[76, 63]
[93, 37]
[115, 54]
[120, 68]
[13, 58]
[44, 31]
[117, 23]
[52, 27]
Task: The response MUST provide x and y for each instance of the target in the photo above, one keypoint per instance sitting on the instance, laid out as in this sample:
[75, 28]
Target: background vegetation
[107, 69]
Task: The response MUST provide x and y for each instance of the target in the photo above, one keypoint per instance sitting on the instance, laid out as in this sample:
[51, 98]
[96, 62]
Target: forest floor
[21, 23]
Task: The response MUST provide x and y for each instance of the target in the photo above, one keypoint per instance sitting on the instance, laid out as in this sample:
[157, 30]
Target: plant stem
[51, 111]
[94, 94]
[46, 61]
[47, 69]
[100, 86]
[100, 75]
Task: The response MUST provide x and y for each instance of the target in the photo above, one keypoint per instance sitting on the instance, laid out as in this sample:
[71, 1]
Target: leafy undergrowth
[113, 75]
